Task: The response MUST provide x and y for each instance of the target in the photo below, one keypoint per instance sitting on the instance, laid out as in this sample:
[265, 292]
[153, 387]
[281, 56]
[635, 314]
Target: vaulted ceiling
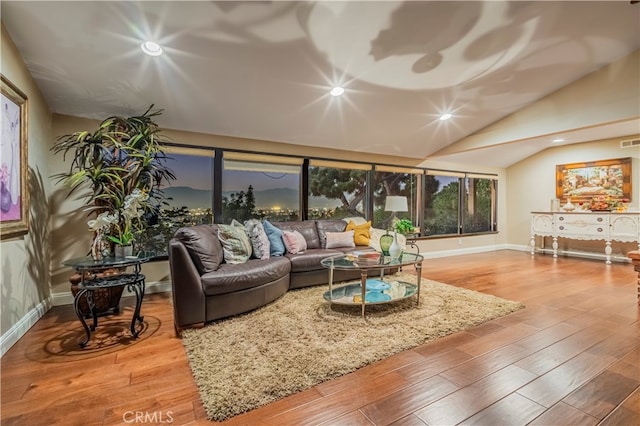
[263, 70]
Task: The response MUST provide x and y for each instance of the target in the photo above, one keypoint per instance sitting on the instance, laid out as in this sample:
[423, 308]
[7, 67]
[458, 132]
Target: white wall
[532, 184]
[24, 261]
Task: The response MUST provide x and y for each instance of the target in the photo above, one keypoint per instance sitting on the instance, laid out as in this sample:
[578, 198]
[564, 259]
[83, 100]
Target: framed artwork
[584, 181]
[14, 196]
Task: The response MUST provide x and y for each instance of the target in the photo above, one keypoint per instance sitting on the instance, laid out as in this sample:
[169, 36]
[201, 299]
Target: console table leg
[532, 243]
[555, 246]
[607, 252]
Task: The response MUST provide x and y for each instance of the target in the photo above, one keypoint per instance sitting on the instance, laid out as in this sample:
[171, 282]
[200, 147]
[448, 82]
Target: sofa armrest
[188, 296]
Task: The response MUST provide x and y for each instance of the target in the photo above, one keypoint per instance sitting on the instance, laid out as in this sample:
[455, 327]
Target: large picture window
[278, 188]
[441, 204]
[190, 196]
[396, 181]
[479, 199]
[260, 187]
[337, 190]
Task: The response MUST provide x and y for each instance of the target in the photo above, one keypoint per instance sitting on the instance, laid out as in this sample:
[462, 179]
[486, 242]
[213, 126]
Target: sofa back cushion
[306, 227]
[203, 246]
[235, 242]
[329, 225]
[275, 238]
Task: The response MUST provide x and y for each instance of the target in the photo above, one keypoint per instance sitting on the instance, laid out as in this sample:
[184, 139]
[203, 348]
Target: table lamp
[389, 244]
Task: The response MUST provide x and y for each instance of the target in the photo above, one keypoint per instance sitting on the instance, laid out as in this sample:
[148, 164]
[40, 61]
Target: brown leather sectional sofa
[205, 288]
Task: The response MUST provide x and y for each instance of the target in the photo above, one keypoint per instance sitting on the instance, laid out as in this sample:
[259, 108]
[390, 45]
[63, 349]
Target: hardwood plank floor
[572, 356]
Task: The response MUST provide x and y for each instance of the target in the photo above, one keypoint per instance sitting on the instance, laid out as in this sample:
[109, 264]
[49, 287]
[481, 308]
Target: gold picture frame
[14, 194]
[584, 181]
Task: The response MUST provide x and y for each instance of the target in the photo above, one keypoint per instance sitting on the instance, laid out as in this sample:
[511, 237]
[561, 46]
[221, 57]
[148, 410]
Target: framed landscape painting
[14, 197]
[584, 181]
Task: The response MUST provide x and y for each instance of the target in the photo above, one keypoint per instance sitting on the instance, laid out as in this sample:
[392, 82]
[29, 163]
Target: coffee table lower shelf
[376, 292]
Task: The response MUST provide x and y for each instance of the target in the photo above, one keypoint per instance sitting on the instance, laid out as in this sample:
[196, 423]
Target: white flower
[133, 203]
[103, 221]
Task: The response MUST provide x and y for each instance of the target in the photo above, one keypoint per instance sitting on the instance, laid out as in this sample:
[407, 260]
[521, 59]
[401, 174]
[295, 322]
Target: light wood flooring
[572, 356]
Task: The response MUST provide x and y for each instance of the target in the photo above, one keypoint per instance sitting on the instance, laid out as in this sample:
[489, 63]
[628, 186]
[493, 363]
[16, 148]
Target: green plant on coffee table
[404, 226]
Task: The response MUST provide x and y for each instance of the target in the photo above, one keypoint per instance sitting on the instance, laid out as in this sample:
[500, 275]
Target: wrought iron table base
[134, 282]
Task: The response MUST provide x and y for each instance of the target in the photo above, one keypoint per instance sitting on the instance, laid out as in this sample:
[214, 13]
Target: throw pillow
[362, 233]
[340, 239]
[235, 242]
[275, 238]
[294, 242]
[259, 239]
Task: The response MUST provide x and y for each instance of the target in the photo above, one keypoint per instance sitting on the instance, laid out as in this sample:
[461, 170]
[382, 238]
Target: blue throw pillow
[275, 239]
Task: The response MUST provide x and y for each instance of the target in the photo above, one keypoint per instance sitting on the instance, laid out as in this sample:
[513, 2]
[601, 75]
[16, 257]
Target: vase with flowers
[123, 164]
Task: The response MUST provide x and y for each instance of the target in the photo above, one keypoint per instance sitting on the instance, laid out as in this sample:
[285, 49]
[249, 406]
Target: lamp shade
[395, 203]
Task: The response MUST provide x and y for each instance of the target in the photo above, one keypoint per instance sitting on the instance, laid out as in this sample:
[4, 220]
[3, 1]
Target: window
[396, 181]
[336, 189]
[253, 185]
[190, 196]
[261, 187]
[441, 204]
[479, 202]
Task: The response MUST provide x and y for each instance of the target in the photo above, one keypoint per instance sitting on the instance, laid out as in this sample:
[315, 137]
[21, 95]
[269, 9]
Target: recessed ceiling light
[151, 48]
[337, 91]
[446, 116]
[558, 140]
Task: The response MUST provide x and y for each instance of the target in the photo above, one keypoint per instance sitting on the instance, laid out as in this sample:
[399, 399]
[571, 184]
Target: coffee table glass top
[377, 291]
[354, 260]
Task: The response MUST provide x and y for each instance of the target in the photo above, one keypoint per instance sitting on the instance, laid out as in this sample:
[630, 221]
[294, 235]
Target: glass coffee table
[371, 290]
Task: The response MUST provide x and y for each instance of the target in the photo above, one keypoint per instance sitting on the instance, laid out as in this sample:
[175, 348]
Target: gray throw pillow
[259, 239]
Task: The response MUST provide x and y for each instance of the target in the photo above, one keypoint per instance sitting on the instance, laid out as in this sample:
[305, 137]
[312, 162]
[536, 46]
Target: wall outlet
[459, 241]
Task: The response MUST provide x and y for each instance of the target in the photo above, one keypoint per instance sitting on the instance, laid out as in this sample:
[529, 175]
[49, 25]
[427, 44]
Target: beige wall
[24, 261]
[532, 185]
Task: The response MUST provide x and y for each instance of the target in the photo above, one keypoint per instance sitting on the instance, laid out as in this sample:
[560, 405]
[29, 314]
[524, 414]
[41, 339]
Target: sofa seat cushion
[309, 260]
[253, 273]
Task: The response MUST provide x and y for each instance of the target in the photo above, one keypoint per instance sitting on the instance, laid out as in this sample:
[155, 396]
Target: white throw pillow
[340, 239]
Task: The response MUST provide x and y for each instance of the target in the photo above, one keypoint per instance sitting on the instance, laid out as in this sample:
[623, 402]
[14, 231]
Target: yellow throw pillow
[361, 233]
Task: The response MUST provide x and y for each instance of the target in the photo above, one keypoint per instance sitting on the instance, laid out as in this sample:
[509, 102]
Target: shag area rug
[298, 341]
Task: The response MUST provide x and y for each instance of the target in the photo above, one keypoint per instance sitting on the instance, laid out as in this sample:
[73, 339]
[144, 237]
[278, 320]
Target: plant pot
[107, 300]
[123, 251]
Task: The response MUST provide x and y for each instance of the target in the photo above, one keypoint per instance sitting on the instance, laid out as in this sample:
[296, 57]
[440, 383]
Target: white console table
[607, 226]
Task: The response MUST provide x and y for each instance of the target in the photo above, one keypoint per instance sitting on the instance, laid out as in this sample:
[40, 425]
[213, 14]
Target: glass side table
[91, 280]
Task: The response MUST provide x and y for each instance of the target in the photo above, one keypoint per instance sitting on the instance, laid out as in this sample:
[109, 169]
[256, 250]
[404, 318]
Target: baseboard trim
[463, 251]
[569, 253]
[66, 298]
[20, 328]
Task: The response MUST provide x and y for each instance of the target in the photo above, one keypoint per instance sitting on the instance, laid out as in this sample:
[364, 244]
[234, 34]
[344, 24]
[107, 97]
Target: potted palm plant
[123, 164]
